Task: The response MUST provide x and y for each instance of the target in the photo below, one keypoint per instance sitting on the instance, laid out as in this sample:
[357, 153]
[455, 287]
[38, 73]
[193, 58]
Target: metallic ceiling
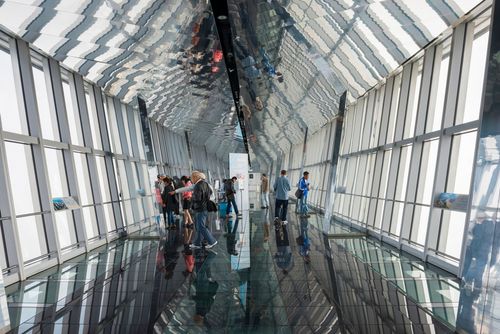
[294, 57]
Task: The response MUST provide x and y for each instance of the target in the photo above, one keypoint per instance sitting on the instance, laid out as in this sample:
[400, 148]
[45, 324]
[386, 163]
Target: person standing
[202, 193]
[159, 185]
[186, 207]
[281, 188]
[231, 195]
[304, 187]
[169, 203]
[264, 191]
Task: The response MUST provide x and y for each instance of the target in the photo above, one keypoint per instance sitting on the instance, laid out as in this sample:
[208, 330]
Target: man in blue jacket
[305, 187]
[281, 189]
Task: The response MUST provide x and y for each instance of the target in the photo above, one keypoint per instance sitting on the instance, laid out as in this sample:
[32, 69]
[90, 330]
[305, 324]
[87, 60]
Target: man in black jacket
[199, 204]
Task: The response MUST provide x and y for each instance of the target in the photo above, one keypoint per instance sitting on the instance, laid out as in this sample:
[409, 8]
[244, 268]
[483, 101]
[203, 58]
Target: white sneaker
[212, 245]
[194, 246]
[284, 222]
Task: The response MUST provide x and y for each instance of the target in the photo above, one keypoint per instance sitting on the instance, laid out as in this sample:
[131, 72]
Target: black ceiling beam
[221, 14]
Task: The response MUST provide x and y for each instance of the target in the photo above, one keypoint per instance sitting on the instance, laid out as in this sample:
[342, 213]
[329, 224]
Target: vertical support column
[28, 87]
[480, 261]
[337, 136]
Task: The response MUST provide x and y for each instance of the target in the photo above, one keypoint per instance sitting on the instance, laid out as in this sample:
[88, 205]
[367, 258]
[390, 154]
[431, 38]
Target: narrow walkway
[258, 279]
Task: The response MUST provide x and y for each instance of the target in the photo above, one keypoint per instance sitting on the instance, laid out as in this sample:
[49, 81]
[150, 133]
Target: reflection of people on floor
[303, 239]
[475, 266]
[283, 256]
[231, 236]
[206, 287]
[188, 260]
[170, 253]
[265, 219]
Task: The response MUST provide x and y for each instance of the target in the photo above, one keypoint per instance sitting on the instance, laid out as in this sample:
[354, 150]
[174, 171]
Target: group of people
[196, 195]
[281, 189]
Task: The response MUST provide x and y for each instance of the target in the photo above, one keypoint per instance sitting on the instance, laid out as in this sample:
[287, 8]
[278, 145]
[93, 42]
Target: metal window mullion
[61, 112]
[24, 71]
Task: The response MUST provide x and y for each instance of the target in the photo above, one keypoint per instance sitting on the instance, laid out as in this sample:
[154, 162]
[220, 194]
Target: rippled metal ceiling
[298, 56]
[295, 57]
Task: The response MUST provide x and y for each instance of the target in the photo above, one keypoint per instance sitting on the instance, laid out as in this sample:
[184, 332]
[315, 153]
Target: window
[438, 86]
[112, 124]
[427, 171]
[75, 126]
[12, 113]
[23, 181]
[86, 196]
[377, 116]
[93, 119]
[393, 113]
[460, 168]
[413, 98]
[403, 173]
[473, 70]
[48, 118]
[128, 139]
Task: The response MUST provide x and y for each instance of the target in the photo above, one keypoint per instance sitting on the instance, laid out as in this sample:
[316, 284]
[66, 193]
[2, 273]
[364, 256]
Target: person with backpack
[230, 195]
[303, 190]
[202, 195]
[281, 189]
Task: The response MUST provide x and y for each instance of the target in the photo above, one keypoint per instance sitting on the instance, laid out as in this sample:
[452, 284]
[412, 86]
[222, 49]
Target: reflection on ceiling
[166, 51]
[295, 57]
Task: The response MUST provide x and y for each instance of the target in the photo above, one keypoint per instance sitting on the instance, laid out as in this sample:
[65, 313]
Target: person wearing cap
[202, 194]
[305, 187]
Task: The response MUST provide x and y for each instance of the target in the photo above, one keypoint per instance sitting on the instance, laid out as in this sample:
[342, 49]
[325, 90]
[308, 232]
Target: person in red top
[186, 206]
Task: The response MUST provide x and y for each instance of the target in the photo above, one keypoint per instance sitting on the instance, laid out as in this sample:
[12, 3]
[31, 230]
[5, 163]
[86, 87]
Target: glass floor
[257, 279]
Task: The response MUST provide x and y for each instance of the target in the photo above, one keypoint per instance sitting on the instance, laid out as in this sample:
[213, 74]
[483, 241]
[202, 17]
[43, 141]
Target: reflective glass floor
[257, 279]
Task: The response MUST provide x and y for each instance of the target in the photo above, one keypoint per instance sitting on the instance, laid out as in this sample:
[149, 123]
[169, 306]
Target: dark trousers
[283, 205]
[233, 202]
